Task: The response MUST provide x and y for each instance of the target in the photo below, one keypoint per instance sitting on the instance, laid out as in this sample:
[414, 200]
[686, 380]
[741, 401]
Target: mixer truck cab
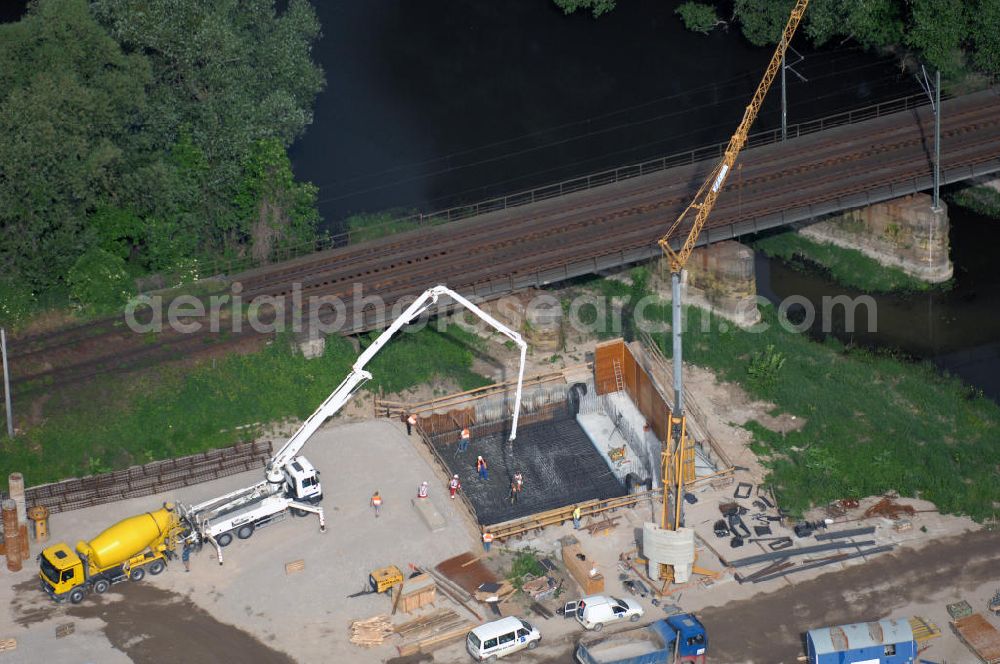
[125, 551]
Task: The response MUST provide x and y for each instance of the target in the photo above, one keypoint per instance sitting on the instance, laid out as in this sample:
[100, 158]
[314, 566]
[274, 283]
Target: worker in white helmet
[422, 490]
[453, 486]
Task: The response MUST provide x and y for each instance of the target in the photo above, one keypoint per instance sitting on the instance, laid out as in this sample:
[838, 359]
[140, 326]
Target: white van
[500, 638]
[594, 611]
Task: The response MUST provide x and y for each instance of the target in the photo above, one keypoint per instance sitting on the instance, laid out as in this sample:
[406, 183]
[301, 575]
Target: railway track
[501, 251]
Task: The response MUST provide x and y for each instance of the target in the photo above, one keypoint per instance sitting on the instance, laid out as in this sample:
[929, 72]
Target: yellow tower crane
[673, 454]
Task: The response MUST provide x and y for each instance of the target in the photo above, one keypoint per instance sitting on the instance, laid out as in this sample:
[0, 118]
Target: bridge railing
[572, 185]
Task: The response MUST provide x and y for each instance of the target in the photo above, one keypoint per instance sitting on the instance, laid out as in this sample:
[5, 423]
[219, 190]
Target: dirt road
[769, 629]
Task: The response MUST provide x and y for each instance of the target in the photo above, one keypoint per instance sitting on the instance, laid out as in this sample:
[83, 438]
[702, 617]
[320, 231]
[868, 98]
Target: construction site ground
[250, 610]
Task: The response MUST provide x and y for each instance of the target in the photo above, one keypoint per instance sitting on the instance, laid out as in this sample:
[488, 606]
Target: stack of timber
[371, 632]
[439, 640]
[432, 623]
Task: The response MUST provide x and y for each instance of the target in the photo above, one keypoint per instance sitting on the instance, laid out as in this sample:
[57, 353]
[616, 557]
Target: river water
[438, 102]
[435, 103]
[958, 329]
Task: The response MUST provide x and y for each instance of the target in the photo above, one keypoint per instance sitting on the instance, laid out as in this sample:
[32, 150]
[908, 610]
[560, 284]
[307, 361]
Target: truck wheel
[634, 618]
[137, 574]
[101, 586]
[75, 596]
[245, 531]
[532, 645]
[155, 567]
[297, 512]
[225, 539]
[598, 627]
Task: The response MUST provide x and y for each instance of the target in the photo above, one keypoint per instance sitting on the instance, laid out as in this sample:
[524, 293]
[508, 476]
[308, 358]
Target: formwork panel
[559, 464]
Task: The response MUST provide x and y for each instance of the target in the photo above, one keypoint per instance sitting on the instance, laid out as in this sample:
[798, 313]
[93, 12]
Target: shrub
[98, 282]
[16, 302]
[765, 366]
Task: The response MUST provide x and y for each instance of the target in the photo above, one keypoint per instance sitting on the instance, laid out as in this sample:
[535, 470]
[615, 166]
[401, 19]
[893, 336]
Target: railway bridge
[591, 224]
[612, 219]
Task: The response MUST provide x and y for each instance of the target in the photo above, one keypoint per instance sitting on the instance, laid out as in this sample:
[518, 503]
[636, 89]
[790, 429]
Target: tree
[232, 71]
[762, 20]
[69, 100]
[873, 23]
[937, 29]
[984, 19]
[228, 75]
[274, 209]
[597, 7]
[698, 16]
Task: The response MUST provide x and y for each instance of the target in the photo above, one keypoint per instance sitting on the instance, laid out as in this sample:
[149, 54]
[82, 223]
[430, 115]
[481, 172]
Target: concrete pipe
[22, 534]
[15, 481]
[39, 515]
[12, 535]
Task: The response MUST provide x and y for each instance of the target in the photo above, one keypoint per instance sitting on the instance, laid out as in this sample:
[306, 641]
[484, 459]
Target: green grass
[874, 421]
[113, 424]
[848, 267]
[364, 227]
[983, 200]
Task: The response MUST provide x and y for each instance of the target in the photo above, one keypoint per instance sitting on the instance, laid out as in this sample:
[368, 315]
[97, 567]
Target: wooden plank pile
[440, 639]
[432, 623]
[371, 632]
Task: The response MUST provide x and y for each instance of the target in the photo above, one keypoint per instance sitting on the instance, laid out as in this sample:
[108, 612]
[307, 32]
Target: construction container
[882, 642]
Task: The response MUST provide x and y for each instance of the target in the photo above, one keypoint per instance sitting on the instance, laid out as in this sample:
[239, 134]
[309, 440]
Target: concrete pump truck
[141, 543]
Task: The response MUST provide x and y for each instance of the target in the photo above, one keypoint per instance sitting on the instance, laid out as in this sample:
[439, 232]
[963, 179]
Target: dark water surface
[441, 102]
[957, 329]
[433, 103]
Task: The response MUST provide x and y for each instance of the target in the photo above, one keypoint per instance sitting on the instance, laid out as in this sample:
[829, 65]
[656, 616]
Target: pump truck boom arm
[359, 375]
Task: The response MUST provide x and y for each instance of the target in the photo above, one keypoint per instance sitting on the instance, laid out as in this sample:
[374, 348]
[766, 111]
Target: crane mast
[702, 204]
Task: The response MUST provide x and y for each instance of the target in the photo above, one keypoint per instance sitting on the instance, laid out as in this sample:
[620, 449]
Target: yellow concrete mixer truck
[125, 551]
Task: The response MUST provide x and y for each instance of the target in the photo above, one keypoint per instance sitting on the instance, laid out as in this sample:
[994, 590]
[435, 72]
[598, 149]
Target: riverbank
[873, 421]
[847, 267]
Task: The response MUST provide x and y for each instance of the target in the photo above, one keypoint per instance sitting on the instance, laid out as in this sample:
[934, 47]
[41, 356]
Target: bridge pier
[904, 233]
[720, 278]
[537, 316]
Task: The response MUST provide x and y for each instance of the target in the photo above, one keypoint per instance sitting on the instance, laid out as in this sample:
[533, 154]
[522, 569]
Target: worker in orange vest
[377, 503]
[487, 540]
[453, 486]
[484, 473]
[463, 441]
[411, 422]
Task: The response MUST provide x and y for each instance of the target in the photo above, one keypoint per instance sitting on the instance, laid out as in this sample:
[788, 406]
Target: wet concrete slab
[559, 464]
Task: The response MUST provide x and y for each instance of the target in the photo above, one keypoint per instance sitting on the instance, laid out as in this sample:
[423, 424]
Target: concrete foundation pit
[559, 464]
